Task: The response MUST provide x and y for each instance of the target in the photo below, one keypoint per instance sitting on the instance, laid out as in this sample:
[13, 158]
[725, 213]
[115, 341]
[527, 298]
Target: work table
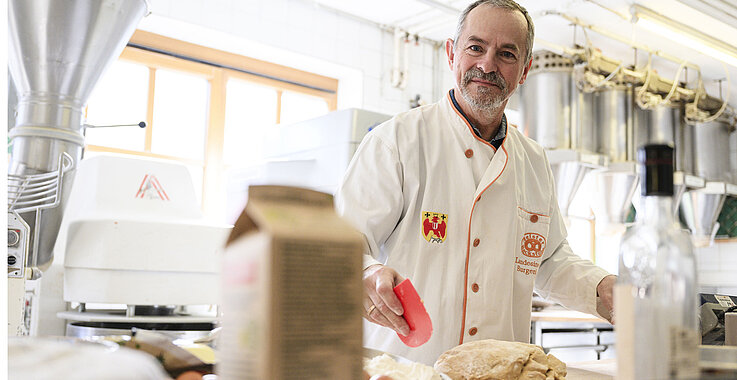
[559, 314]
[555, 317]
[555, 328]
[592, 370]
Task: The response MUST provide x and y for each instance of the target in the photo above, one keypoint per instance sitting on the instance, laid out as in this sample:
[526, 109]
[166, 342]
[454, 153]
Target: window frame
[217, 67]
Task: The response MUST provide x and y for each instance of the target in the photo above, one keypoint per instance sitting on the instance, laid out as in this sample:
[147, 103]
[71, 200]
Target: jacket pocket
[531, 241]
[532, 233]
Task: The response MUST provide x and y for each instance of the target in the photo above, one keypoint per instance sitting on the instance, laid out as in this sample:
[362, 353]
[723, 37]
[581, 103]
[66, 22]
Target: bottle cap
[656, 175]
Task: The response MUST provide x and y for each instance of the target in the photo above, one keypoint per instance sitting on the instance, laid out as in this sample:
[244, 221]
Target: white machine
[136, 245]
[315, 153]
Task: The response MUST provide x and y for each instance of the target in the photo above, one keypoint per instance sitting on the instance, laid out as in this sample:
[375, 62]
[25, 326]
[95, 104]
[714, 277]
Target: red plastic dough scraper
[419, 322]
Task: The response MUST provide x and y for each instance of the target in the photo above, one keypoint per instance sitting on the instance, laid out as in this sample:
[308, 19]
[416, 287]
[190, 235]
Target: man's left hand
[605, 291]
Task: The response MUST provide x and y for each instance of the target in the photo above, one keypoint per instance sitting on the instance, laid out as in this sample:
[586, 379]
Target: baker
[461, 203]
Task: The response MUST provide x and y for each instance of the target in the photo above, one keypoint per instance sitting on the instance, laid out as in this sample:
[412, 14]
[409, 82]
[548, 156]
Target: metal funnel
[58, 49]
[614, 190]
[569, 170]
[568, 177]
[700, 209]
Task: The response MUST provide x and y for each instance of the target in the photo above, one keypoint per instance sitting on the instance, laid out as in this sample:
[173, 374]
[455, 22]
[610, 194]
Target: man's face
[488, 60]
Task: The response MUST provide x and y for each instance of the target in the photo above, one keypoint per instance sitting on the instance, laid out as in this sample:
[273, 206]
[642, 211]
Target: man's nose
[487, 63]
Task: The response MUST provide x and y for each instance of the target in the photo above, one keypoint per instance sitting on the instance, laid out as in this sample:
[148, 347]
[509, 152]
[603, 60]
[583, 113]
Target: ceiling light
[684, 35]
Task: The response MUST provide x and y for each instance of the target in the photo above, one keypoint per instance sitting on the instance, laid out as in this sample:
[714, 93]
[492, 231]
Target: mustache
[492, 77]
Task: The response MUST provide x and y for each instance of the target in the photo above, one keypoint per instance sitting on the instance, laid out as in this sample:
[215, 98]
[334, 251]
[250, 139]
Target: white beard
[485, 98]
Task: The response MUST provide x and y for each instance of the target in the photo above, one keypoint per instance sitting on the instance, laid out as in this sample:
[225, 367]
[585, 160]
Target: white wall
[717, 268]
[300, 34]
[716, 265]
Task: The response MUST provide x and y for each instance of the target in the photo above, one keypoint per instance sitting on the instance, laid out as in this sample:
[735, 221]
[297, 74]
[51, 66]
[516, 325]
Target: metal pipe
[606, 33]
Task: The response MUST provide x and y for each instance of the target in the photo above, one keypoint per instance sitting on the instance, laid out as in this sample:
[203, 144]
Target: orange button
[476, 242]
[475, 287]
[469, 153]
[473, 331]
[533, 218]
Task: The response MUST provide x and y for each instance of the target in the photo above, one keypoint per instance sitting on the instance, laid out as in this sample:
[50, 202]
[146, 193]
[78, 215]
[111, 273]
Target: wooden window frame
[217, 67]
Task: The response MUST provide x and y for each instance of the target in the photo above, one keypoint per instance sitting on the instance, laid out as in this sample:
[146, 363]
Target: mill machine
[57, 52]
[119, 234]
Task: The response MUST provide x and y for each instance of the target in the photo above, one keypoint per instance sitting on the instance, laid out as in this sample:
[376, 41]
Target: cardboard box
[292, 290]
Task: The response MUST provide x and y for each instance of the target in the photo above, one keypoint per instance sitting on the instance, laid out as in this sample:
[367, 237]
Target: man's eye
[475, 48]
[508, 55]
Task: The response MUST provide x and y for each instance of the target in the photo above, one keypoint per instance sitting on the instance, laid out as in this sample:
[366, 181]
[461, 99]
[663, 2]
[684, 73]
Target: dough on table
[499, 360]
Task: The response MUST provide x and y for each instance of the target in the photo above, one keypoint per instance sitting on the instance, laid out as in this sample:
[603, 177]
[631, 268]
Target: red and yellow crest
[533, 245]
[433, 226]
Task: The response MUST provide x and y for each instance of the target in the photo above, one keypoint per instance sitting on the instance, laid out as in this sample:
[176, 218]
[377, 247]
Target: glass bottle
[655, 298]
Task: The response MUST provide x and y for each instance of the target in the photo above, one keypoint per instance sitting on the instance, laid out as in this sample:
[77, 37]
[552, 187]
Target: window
[180, 115]
[249, 109]
[205, 108]
[127, 83]
[297, 107]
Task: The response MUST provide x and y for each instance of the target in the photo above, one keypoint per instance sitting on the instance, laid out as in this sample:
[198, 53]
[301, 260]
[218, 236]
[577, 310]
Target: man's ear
[449, 52]
[527, 70]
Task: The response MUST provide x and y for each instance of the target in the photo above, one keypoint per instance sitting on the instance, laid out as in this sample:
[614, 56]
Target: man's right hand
[380, 304]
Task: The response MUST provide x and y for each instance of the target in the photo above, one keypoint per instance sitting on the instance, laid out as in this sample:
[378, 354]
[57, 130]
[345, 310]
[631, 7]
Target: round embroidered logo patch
[533, 245]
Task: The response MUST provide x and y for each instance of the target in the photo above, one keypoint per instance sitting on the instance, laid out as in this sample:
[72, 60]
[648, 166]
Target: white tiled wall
[716, 265]
[717, 268]
[307, 32]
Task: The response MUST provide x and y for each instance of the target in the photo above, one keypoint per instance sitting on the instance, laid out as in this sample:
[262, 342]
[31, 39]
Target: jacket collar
[501, 133]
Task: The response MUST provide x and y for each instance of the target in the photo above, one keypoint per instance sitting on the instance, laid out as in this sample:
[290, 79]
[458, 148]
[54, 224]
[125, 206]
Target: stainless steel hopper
[614, 138]
[558, 116]
[710, 144]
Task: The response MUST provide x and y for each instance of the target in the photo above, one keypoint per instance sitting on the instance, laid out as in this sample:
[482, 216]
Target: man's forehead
[486, 21]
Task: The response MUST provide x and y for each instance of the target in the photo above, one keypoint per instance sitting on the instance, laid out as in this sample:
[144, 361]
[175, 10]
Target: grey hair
[504, 4]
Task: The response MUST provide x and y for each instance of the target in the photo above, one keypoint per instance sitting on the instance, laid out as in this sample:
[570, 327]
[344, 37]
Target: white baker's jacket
[503, 236]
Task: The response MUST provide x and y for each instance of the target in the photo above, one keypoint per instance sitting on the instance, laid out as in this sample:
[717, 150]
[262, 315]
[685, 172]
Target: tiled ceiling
[436, 19]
